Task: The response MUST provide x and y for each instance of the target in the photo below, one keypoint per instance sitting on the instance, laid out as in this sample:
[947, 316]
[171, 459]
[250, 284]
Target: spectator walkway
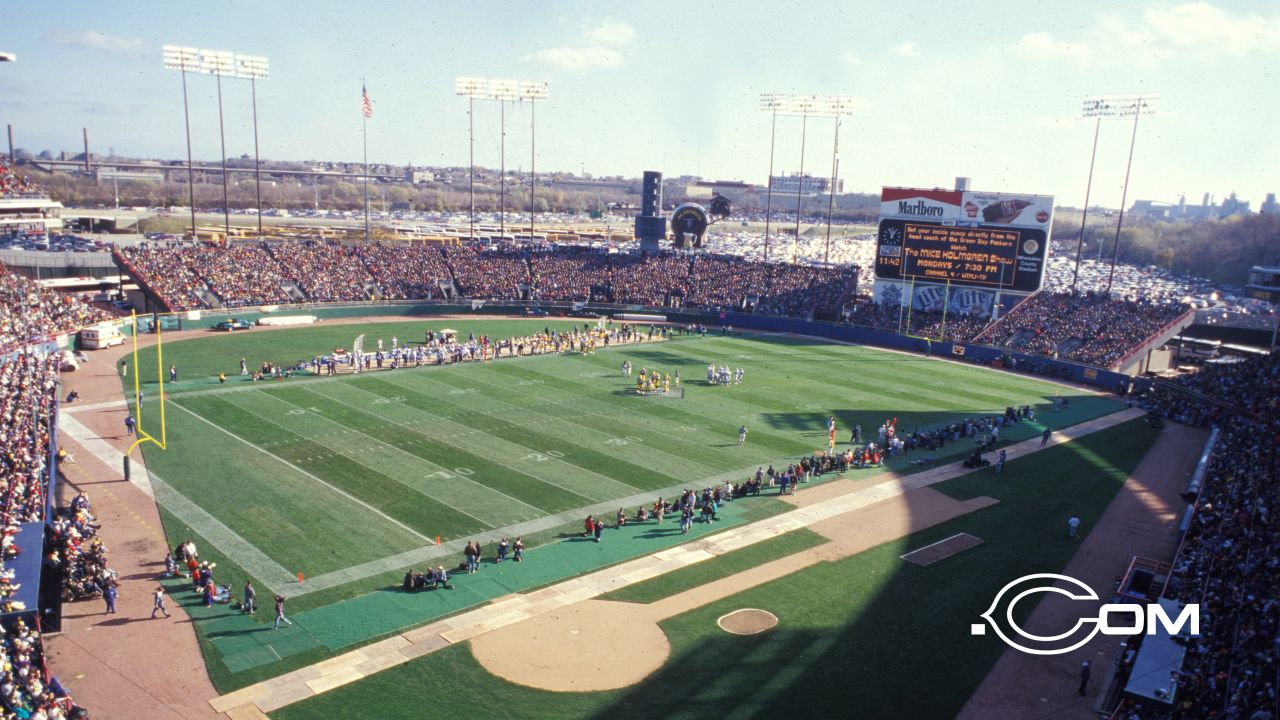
[253, 701]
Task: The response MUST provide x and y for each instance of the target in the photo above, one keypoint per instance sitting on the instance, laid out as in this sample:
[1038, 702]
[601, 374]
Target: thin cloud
[599, 46]
[906, 50]
[98, 40]
[1206, 25]
[610, 33]
[1043, 46]
[1199, 27]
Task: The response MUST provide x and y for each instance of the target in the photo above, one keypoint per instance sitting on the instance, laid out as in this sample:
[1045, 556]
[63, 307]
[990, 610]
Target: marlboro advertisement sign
[998, 241]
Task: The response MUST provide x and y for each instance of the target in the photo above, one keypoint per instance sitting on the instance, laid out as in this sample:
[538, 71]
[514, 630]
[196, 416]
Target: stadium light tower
[770, 103]
[1137, 106]
[1096, 107]
[218, 63]
[504, 91]
[254, 68]
[471, 88]
[533, 91]
[838, 107]
[184, 60]
[804, 106]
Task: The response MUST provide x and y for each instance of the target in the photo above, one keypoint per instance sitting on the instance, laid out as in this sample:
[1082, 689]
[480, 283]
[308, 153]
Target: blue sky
[987, 90]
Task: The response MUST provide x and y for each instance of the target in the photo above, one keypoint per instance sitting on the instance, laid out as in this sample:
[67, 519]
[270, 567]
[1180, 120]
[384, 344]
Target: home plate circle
[747, 621]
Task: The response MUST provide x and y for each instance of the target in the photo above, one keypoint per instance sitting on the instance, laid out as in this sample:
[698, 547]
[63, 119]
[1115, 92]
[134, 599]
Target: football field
[350, 480]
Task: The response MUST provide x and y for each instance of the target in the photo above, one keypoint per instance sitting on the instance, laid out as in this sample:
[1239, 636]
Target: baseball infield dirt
[747, 621]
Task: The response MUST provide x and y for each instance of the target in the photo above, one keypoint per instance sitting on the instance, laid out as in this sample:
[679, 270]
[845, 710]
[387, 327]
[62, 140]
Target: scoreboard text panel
[1012, 258]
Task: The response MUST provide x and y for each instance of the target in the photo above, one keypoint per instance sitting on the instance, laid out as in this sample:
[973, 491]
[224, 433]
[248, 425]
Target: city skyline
[998, 102]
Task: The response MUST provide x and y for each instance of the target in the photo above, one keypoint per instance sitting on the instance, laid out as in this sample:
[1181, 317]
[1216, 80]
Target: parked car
[233, 324]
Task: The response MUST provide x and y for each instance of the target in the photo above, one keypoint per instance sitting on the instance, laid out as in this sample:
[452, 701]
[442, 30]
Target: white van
[101, 336]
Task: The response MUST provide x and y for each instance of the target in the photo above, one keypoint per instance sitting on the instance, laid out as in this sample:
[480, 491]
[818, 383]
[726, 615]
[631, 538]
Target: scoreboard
[961, 238]
[995, 257]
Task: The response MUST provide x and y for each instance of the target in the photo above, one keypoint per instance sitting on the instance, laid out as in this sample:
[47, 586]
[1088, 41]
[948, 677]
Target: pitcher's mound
[588, 646]
[747, 621]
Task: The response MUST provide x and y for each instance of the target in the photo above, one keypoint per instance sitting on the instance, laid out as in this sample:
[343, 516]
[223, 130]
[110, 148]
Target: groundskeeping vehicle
[233, 324]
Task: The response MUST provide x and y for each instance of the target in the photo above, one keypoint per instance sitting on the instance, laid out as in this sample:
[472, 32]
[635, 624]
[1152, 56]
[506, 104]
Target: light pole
[218, 63]
[803, 106]
[471, 88]
[770, 102]
[185, 59]
[533, 91]
[254, 68]
[1136, 106]
[1094, 108]
[838, 106]
[503, 91]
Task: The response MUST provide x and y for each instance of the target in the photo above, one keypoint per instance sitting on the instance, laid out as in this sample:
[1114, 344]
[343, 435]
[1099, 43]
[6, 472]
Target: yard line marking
[859, 498]
[517, 421]
[257, 563]
[286, 463]
[411, 428]
[609, 413]
[447, 437]
[348, 456]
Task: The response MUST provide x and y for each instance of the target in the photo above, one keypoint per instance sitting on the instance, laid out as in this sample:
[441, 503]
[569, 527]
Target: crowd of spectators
[11, 183]
[30, 313]
[649, 279]
[181, 275]
[935, 324]
[724, 282]
[406, 272]
[241, 275]
[1229, 560]
[326, 271]
[77, 553]
[164, 270]
[1088, 327]
[28, 392]
[27, 690]
[571, 274]
[492, 274]
[28, 395]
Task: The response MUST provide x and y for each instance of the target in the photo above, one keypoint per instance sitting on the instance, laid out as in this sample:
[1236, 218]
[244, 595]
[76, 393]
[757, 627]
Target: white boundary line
[245, 554]
[446, 441]
[288, 464]
[926, 547]
[350, 456]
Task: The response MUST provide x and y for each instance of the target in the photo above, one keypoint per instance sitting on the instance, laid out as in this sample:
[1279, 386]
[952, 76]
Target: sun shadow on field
[867, 635]
[875, 633]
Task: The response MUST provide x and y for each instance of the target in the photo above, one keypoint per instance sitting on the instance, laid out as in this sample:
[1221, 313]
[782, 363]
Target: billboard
[997, 241]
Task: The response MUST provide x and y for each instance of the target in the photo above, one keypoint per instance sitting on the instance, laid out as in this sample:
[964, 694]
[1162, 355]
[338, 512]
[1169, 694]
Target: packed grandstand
[1229, 559]
[1090, 327]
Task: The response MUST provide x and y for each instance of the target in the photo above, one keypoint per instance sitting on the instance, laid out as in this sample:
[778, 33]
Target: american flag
[365, 106]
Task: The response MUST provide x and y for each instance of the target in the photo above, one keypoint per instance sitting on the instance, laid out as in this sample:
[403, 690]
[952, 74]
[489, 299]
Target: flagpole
[364, 123]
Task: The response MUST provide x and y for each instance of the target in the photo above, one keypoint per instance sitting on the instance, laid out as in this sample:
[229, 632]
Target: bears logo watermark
[1111, 619]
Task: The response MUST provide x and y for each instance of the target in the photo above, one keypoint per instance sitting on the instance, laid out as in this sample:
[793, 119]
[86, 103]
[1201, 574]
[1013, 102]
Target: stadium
[541, 467]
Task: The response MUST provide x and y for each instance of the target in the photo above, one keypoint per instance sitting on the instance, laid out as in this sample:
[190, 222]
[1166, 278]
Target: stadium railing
[1144, 346]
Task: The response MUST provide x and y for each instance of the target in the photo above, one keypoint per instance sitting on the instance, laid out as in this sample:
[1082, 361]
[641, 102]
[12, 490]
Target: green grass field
[869, 636]
[351, 480]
